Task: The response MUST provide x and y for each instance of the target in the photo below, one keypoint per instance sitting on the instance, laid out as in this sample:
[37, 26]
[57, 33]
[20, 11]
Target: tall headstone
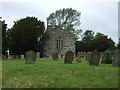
[116, 58]
[69, 57]
[88, 56]
[22, 57]
[101, 57]
[107, 57]
[78, 57]
[55, 56]
[30, 57]
[95, 58]
[37, 55]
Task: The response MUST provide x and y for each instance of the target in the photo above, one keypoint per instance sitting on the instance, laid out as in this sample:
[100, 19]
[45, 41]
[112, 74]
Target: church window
[59, 43]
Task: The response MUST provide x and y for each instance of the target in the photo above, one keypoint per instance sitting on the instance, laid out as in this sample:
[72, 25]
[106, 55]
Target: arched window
[59, 43]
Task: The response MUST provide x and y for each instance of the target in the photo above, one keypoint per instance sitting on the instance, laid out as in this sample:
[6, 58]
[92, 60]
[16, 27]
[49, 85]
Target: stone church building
[60, 41]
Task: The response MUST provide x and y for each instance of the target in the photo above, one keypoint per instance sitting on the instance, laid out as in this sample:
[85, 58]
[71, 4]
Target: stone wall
[67, 41]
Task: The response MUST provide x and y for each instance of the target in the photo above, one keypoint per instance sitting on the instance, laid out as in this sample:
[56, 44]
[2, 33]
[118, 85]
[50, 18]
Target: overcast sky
[100, 16]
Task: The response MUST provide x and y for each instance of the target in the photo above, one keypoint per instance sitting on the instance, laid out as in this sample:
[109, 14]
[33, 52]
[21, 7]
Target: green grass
[46, 73]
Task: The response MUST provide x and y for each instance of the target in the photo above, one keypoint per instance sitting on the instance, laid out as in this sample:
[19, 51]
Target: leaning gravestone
[37, 55]
[69, 57]
[22, 56]
[107, 57]
[55, 56]
[116, 58]
[78, 57]
[95, 58]
[88, 56]
[30, 57]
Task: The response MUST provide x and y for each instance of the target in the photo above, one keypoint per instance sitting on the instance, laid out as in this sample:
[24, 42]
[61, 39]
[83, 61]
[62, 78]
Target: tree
[102, 43]
[99, 35]
[25, 35]
[4, 38]
[67, 19]
[86, 39]
[88, 36]
[81, 47]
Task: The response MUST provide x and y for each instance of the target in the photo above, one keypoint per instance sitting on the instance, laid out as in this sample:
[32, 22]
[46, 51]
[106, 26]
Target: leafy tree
[103, 43]
[86, 39]
[88, 36]
[81, 47]
[98, 35]
[4, 38]
[25, 35]
[67, 19]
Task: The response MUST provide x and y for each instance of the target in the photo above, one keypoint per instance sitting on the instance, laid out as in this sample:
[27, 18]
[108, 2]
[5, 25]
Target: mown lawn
[46, 73]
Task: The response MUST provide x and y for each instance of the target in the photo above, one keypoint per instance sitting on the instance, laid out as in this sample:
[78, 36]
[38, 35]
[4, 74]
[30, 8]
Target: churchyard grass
[46, 73]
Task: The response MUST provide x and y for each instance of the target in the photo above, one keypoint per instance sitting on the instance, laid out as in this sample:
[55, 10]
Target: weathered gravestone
[88, 56]
[78, 57]
[107, 57]
[30, 57]
[116, 58]
[22, 56]
[82, 54]
[37, 55]
[95, 58]
[55, 56]
[69, 57]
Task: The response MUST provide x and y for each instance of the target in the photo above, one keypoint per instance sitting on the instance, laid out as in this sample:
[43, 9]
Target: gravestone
[17, 56]
[69, 57]
[101, 57]
[22, 56]
[78, 57]
[82, 54]
[95, 58]
[37, 55]
[55, 56]
[9, 57]
[107, 57]
[30, 57]
[116, 58]
[88, 56]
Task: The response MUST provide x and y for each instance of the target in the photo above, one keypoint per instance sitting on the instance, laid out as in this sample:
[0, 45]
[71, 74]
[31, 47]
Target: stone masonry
[60, 41]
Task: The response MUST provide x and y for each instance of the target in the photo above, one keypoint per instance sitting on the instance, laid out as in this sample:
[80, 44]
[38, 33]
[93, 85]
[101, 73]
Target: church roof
[57, 30]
